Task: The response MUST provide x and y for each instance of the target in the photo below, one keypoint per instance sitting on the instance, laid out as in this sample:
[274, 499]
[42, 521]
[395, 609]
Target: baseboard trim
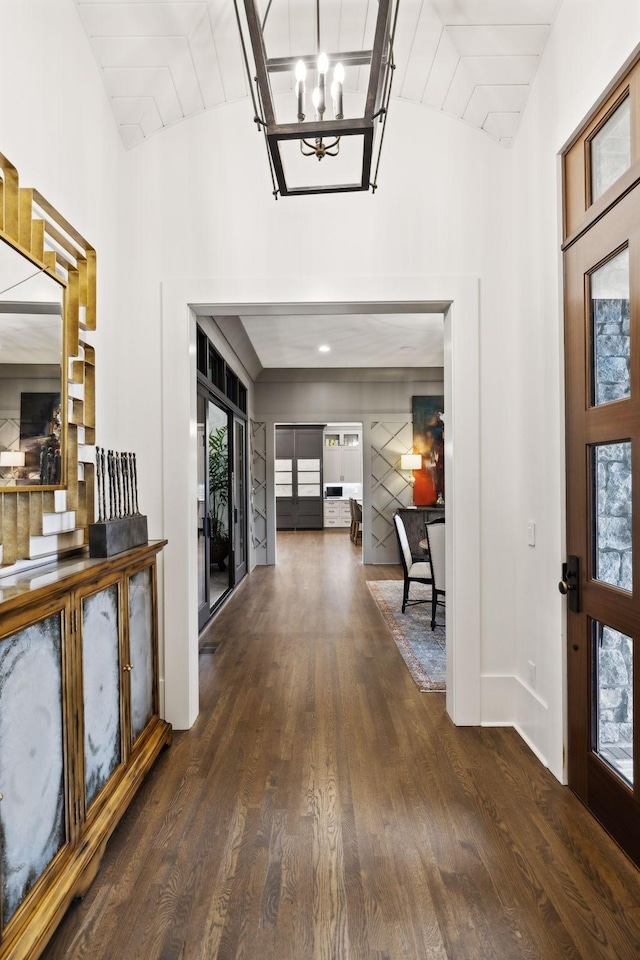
[508, 702]
[531, 745]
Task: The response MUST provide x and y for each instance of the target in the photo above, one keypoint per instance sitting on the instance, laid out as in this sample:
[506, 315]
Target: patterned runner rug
[423, 650]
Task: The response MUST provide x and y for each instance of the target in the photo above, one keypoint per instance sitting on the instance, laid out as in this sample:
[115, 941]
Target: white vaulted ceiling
[164, 60]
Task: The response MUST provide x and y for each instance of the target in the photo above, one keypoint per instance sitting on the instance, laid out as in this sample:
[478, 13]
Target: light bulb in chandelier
[317, 98]
[301, 73]
[323, 66]
[336, 91]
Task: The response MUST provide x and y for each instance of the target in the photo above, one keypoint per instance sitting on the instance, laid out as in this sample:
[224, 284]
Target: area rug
[423, 649]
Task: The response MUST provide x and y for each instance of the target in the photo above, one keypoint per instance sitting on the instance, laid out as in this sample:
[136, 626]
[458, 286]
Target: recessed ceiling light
[324, 348]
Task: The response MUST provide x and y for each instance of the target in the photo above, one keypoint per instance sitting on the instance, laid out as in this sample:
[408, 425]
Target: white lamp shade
[411, 461]
[12, 458]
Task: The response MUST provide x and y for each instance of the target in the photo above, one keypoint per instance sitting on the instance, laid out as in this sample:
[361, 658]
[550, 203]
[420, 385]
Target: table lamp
[13, 459]
[411, 461]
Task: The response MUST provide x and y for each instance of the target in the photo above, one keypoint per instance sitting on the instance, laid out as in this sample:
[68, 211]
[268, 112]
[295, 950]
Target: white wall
[589, 43]
[195, 202]
[200, 207]
[57, 128]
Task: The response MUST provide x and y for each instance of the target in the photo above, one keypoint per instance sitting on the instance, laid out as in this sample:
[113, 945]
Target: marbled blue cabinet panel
[141, 649]
[32, 811]
[101, 688]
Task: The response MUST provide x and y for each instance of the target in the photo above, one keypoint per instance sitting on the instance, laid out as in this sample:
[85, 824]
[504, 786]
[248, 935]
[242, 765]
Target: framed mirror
[47, 376]
[32, 387]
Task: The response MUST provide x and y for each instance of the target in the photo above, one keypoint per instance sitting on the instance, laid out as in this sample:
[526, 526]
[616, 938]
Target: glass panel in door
[609, 286]
[612, 515]
[218, 501]
[610, 150]
[613, 699]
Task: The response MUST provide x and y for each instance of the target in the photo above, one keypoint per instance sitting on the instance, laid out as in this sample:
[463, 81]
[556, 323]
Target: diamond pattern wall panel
[258, 512]
[9, 434]
[390, 486]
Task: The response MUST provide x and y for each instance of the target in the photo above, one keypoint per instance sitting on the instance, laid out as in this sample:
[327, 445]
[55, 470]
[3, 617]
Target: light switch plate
[531, 533]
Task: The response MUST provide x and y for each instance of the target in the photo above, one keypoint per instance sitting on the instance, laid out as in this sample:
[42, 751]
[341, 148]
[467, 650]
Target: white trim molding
[182, 302]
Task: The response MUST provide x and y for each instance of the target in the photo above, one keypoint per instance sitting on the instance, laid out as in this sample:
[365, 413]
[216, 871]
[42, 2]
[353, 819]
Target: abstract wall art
[428, 441]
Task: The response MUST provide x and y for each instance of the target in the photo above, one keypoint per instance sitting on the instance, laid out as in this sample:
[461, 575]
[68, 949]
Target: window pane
[610, 329]
[612, 514]
[308, 476]
[613, 656]
[309, 489]
[611, 151]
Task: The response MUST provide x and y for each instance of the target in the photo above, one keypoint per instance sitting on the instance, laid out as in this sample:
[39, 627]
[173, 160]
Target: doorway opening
[318, 478]
[183, 302]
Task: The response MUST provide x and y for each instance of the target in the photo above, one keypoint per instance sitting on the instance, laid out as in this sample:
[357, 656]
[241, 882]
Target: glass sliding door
[218, 482]
[222, 489]
[203, 543]
[215, 567]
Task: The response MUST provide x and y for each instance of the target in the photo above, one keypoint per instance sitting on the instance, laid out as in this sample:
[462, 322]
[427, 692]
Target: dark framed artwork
[428, 441]
[40, 424]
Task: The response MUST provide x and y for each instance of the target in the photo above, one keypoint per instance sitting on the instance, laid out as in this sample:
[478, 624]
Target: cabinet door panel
[141, 646]
[101, 688]
[32, 775]
[352, 464]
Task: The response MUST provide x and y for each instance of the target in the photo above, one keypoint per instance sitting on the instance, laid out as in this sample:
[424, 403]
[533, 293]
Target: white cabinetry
[337, 513]
[342, 456]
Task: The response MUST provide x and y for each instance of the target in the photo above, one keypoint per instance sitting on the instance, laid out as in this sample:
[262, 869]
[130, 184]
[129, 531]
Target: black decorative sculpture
[120, 525]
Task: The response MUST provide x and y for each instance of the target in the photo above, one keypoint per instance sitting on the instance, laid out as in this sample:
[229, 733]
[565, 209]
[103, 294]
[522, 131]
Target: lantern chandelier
[352, 138]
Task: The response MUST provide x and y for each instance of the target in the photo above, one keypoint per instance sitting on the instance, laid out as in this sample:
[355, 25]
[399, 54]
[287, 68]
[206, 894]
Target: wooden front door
[602, 369]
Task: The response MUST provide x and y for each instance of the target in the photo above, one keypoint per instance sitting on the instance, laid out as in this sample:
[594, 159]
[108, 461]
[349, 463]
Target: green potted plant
[218, 496]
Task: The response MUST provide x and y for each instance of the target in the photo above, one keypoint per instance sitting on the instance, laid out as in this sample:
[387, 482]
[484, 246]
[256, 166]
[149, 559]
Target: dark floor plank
[321, 808]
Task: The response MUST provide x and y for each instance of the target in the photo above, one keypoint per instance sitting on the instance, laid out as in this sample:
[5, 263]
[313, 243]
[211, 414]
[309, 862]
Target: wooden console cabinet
[79, 728]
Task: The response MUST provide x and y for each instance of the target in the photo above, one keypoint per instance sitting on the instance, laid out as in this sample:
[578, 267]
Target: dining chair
[415, 571]
[357, 520]
[435, 538]
[353, 532]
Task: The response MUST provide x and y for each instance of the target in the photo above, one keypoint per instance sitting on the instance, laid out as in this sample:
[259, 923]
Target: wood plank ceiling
[164, 60]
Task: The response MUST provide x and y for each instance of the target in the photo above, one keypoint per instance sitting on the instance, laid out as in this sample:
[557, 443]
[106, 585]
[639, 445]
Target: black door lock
[569, 586]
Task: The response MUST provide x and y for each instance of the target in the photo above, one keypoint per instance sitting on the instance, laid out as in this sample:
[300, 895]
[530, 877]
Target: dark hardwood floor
[323, 809]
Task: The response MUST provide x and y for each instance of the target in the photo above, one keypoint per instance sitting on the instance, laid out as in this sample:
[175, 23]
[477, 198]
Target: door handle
[569, 586]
